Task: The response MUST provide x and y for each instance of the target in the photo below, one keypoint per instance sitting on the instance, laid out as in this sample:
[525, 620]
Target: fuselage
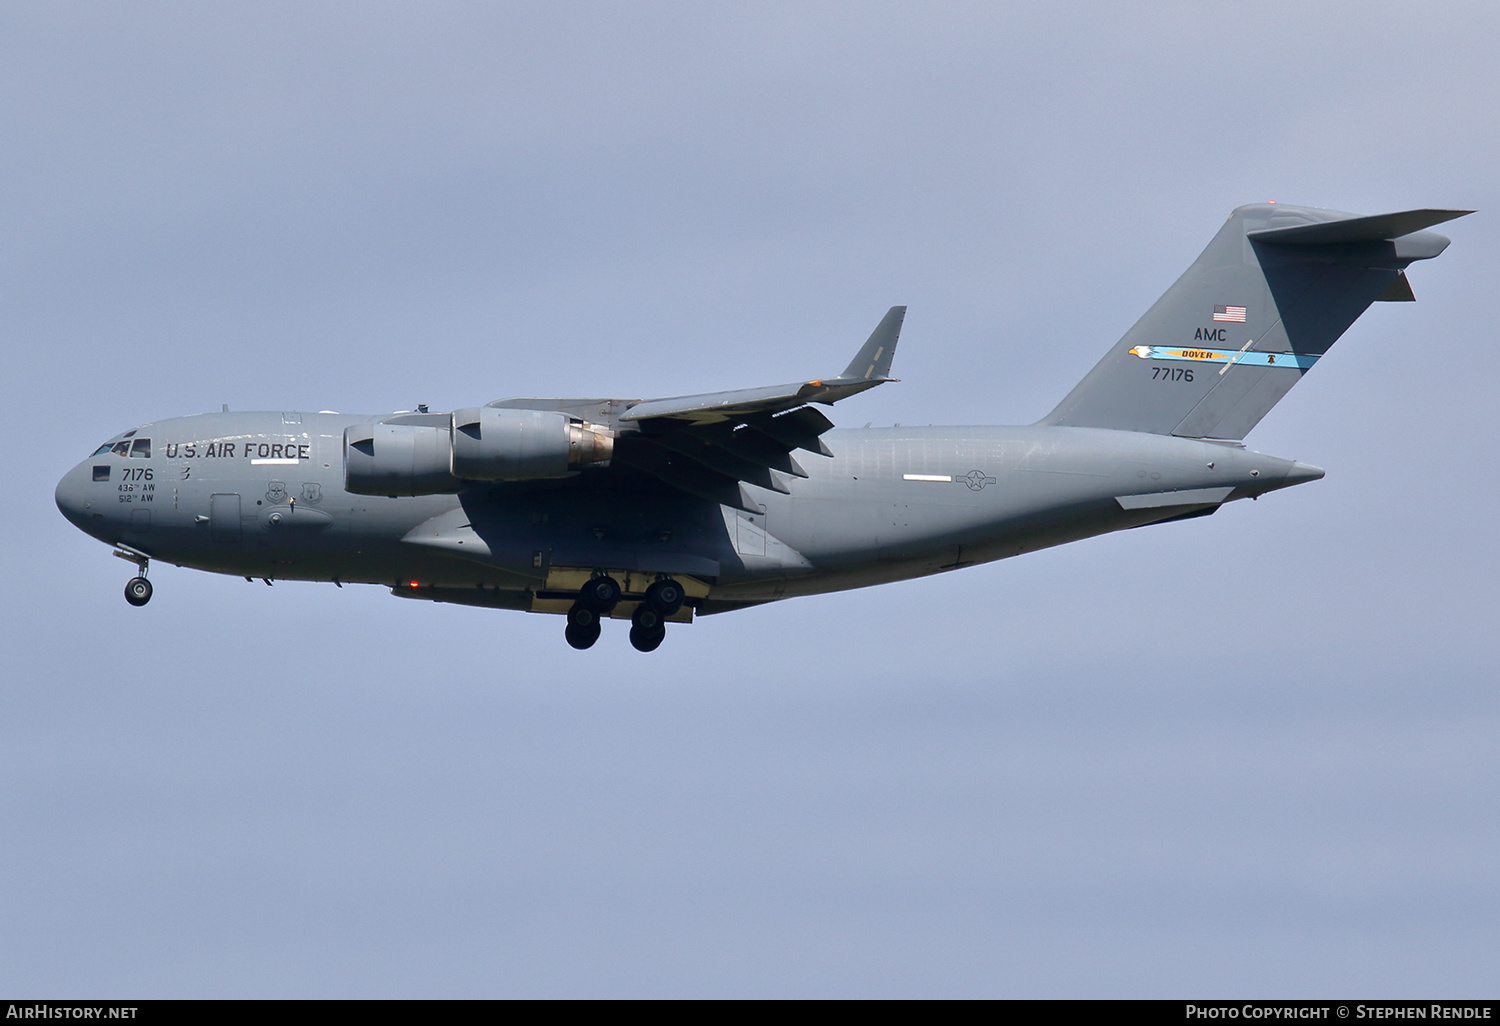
[262, 495]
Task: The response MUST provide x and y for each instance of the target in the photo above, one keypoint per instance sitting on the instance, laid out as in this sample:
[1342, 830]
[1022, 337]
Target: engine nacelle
[430, 453]
[398, 459]
[492, 444]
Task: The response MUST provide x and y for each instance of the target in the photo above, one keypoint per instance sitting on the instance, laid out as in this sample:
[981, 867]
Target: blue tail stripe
[1301, 361]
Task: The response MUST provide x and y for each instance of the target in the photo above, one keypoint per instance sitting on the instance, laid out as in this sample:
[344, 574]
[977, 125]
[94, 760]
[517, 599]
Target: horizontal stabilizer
[1375, 228]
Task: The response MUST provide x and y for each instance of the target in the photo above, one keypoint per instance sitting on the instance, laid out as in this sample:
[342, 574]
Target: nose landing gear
[137, 589]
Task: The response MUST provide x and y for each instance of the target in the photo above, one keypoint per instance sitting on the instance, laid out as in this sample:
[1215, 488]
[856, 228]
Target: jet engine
[492, 444]
[431, 453]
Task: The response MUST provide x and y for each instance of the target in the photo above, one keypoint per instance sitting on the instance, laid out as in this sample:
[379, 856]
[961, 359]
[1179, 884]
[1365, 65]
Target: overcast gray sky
[1253, 754]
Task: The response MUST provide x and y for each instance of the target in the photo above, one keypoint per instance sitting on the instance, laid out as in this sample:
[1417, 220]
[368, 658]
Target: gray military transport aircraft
[656, 510]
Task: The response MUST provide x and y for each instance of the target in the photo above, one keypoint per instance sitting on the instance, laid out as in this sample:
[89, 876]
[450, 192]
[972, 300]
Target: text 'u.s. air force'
[243, 450]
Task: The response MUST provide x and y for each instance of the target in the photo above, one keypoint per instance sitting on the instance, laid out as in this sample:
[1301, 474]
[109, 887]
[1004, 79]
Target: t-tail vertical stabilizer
[1273, 291]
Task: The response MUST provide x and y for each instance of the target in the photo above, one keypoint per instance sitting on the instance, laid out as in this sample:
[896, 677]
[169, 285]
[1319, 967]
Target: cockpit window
[140, 448]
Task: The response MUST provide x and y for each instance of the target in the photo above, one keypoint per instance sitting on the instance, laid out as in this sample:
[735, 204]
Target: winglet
[873, 362]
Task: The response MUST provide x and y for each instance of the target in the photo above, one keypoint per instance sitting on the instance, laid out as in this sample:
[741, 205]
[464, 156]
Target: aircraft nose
[72, 495]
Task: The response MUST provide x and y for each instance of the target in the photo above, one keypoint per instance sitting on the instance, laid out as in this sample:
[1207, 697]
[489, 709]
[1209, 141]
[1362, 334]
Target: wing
[707, 445]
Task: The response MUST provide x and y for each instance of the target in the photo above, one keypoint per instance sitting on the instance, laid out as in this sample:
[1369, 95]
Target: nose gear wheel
[138, 591]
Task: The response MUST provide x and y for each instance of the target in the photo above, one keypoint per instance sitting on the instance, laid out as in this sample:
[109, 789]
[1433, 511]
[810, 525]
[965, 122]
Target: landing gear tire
[666, 597]
[648, 641]
[601, 594]
[646, 618]
[138, 591]
[647, 630]
[583, 618]
[582, 637]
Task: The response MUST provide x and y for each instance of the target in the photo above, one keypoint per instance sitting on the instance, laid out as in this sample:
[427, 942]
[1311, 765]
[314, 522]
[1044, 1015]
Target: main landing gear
[647, 629]
[583, 626]
[648, 625]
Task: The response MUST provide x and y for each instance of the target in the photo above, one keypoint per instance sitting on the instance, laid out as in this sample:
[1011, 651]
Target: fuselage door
[224, 516]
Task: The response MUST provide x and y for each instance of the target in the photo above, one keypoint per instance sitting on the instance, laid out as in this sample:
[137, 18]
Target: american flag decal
[1230, 313]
